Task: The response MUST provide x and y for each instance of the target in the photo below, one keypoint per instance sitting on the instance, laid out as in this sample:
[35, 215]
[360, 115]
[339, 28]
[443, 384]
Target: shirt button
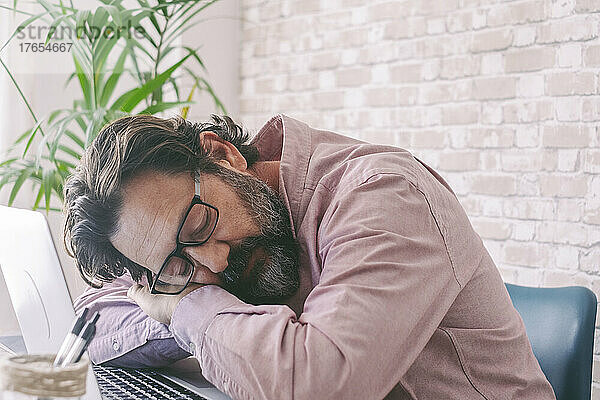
[116, 345]
[192, 348]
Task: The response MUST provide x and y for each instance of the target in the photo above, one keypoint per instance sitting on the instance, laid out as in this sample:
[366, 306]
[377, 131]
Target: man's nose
[212, 255]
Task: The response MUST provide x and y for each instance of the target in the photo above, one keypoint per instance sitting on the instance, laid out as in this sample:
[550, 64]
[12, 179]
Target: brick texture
[501, 97]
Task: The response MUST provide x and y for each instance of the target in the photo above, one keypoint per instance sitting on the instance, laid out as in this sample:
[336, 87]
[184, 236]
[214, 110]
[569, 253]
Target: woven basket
[35, 375]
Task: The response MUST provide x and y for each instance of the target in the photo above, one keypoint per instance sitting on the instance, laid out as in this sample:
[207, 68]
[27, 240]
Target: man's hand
[158, 306]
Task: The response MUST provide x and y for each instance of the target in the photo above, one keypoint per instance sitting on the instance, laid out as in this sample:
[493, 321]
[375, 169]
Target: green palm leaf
[129, 100]
[38, 198]
[164, 106]
[47, 183]
[107, 89]
[23, 176]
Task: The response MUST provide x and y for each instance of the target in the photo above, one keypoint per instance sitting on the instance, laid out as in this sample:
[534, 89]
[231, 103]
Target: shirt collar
[287, 140]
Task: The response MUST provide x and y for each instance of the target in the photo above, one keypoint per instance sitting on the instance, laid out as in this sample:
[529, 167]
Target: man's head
[127, 198]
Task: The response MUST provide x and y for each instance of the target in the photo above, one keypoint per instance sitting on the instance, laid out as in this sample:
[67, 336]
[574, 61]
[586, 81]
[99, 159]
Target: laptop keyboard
[124, 383]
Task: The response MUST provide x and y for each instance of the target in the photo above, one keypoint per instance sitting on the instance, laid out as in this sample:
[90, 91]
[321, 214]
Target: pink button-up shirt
[399, 299]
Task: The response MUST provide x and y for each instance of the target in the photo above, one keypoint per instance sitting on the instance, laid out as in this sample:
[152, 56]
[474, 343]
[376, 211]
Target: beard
[274, 275]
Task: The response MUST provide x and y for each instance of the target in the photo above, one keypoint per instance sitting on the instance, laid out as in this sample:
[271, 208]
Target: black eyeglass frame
[177, 252]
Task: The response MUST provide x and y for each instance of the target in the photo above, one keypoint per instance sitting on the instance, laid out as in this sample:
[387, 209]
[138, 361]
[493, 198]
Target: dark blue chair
[560, 325]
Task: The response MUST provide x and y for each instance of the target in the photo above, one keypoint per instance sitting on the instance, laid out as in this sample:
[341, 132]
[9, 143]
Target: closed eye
[203, 226]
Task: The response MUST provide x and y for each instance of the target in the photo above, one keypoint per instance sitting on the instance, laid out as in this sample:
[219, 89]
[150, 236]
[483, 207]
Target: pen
[85, 346]
[70, 338]
[82, 341]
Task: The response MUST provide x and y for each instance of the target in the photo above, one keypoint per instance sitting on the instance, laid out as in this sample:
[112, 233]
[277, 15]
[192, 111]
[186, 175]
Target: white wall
[501, 97]
[219, 39]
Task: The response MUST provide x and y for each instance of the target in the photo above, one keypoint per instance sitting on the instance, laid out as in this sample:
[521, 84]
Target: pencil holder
[34, 377]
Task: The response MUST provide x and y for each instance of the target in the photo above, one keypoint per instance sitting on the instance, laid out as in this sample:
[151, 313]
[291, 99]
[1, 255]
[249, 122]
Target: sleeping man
[300, 265]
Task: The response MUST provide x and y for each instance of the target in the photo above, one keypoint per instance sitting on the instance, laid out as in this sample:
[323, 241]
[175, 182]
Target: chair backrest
[560, 325]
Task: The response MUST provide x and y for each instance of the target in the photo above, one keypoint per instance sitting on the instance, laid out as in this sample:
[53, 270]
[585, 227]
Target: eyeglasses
[197, 227]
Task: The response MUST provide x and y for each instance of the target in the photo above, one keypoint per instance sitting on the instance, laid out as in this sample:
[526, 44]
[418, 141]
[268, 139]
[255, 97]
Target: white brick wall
[501, 96]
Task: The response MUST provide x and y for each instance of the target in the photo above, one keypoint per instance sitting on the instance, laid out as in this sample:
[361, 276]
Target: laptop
[45, 313]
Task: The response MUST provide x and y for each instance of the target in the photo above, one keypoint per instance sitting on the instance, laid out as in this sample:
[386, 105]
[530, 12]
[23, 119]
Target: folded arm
[386, 284]
[125, 335]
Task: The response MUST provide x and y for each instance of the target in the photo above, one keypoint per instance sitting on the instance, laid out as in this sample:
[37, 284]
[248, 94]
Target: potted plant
[106, 44]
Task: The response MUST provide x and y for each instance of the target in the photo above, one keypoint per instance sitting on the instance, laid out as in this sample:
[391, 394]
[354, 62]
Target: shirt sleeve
[125, 335]
[386, 284]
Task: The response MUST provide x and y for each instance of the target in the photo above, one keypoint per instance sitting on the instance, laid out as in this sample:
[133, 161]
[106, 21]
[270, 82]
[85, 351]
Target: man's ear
[224, 151]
